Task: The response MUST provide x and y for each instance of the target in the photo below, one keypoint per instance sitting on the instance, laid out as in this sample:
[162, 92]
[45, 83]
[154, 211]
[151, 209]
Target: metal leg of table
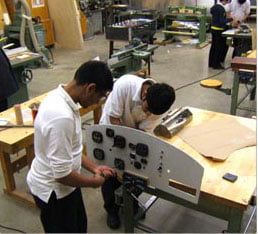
[111, 48]
[235, 221]
[128, 212]
[205, 205]
[234, 96]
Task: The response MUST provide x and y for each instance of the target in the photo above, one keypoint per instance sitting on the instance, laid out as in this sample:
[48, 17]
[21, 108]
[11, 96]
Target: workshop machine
[132, 59]
[23, 32]
[95, 12]
[145, 161]
[185, 21]
[131, 28]
[21, 59]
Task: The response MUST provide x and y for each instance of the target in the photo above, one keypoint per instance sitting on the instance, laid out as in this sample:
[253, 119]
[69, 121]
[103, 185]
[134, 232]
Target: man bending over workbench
[136, 103]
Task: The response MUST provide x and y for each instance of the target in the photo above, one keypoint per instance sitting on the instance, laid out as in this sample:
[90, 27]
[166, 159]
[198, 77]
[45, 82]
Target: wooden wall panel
[66, 20]
[160, 5]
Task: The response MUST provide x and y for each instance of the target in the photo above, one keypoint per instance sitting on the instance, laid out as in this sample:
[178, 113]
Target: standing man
[136, 103]
[239, 10]
[54, 178]
[8, 82]
[219, 47]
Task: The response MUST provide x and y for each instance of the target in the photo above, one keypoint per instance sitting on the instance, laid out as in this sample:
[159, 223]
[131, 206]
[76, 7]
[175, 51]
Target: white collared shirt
[124, 102]
[238, 11]
[57, 144]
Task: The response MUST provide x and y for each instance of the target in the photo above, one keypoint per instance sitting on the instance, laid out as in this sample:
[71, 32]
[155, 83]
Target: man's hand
[98, 180]
[104, 171]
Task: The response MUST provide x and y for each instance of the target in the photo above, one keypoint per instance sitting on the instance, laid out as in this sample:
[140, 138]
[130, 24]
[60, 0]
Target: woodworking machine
[131, 59]
[185, 21]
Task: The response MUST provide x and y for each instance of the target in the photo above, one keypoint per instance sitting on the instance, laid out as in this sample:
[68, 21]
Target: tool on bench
[173, 122]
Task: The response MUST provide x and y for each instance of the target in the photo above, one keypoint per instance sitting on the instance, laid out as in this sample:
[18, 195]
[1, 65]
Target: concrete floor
[175, 64]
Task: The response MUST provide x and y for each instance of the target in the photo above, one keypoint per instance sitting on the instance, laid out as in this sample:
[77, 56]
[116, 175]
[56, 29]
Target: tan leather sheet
[218, 138]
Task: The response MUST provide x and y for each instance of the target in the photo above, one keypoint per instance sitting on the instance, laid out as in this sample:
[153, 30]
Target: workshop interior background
[82, 30]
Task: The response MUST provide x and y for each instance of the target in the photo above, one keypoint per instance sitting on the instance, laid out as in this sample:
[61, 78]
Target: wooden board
[241, 163]
[3, 10]
[160, 5]
[252, 54]
[66, 20]
[243, 63]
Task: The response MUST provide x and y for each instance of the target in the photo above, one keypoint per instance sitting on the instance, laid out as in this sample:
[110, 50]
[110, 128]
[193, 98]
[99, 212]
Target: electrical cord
[194, 82]
[13, 229]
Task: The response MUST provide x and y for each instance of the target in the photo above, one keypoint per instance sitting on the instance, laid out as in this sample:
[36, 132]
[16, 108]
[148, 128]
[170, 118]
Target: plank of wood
[252, 54]
[66, 20]
[3, 10]
[243, 63]
[160, 5]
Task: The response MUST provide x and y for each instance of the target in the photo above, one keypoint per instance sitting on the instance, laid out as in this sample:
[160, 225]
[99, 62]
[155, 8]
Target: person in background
[8, 82]
[55, 177]
[239, 10]
[219, 47]
[137, 103]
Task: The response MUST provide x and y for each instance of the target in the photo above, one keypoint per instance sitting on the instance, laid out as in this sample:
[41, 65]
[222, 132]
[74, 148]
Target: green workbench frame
[207, 204]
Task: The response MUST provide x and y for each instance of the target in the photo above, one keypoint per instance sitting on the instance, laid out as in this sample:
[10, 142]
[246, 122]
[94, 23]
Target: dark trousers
[108, 193]
[218, 50]
[3, 105]
[65, 215]
[241, 45]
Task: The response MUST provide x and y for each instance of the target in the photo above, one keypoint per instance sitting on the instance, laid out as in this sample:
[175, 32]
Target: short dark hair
[160, 97]
[95, 72]
[241, 1]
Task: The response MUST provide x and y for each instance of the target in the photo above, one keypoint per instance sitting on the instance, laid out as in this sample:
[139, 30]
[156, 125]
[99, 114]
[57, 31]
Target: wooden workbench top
[241, 163]
[14, 139]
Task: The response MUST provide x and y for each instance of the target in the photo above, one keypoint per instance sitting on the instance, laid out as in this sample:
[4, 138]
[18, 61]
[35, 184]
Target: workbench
[218, 197]
[242, 40]
[15, 140]
[238, 64]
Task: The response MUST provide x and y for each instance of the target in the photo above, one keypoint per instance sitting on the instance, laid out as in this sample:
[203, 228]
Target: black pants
[65, 215]
[108, 193]
[218, 50]
[241, 45]
[3, 105]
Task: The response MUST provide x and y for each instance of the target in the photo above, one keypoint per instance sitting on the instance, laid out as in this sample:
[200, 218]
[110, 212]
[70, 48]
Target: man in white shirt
[239, 10]
[137, 103]
[54, 178]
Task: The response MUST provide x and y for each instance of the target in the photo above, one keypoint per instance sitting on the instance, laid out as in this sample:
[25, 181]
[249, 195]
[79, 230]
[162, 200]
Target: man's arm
[76, 179]
[104, 171]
